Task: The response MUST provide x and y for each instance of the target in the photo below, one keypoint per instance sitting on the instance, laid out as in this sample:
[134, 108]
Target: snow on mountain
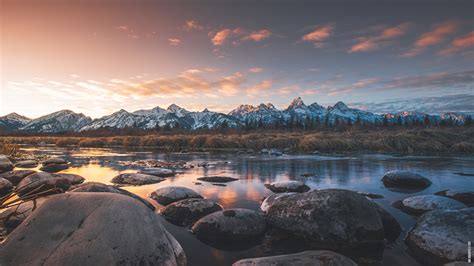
[13, 122]
[341, 112]
[265, 114]
[61, 121]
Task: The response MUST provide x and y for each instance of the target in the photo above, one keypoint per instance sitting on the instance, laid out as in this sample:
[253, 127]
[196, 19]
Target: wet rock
[54, 161]
[136, 179]
[231, 224]
[441, 236]
[371, 195]
[168, 195]
[27, 164]
[335, 219]
[313, 257]
[160, 172]
[217, 179]
[5, 187]
[16, 176]
[12, 217]
[41, 182]
[91, 229]
[463, 174]
[287, 186]
[73, 178]
[405, 180]
[187, 212]
[54, 168]
[5, 164]
[391, 227]
[99, 187]
[418, 205]
[270, 200]
[464, 196]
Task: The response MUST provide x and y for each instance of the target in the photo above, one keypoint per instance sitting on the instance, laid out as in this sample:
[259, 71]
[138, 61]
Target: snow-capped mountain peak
[296, 102]
[177, 110]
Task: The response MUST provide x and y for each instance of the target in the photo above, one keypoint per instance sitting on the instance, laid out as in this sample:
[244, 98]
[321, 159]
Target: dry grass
[454, 139]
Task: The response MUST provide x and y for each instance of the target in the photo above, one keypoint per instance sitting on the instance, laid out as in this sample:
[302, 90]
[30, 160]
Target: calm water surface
[361, 173]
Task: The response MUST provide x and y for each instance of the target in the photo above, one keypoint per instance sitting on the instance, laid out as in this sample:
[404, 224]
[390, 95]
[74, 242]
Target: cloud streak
[433, 37]
[459, 44]
[366, 44]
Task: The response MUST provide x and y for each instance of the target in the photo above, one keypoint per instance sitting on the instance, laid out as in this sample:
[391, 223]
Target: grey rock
[168, 195]
[287, 186]
[405, 179]
[334, 219]
[371, 195]
[99, 187]
[5, 187]
[54, 167]
[186, 212]
[5, 164]
[231, 224]
[136, 179]
[27, 164]
[91, 229]
[16, 176]
[441, 236]
[313, 257]
[15, 215]
[464, 196]
[73, 178]
[161, 172]
[391, 227]
[217, 179]
[53, 161]
[41, 182]
[270, 200]
[418, 205]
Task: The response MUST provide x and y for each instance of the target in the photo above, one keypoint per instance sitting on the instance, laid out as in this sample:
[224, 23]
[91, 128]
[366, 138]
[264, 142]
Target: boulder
[313, 257]
[27, 164]
[418, 205]
[16, 176]
[41, 182]
[230, 225]
[405, 180]
[136, 179]
[5, 187]
[268, 201]
[217, 179]
[441, 236]
[287, 186]
[464, 196]
[91, 229]
[371, 195]
[55, 160]
[54, 168]
[15, 215]
[99, 187]
[5, 164]
[168, 195]
[73, 178]
[186, 212]
[391, 227]
[335, 219]
[161, 172]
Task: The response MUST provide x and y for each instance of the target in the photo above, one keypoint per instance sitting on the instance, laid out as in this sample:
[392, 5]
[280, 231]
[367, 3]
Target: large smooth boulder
[229, 225]
[186, 212]
[464, 196]
[441, 236]
[268, 201]
[306, 258]
[91, 229]
[391, 227]
[42, 181]
[54, 168]
[335, 219]
[99, 187]
[5, 187]
[136, 179]
[287, 186]
[161, 172]
[418, 205]
[15, 215]
[405, 180]
[73, 178]
[217, 179]
[26, 164]
[16, 176]
[5, 164]
[55, 160]
[168, 195]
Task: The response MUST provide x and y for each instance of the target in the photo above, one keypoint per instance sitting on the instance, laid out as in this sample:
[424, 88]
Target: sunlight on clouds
[436, 36]
[459, 44]
[365, 44]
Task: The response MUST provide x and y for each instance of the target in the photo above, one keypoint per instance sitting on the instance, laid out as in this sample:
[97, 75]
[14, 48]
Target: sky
[96, 57]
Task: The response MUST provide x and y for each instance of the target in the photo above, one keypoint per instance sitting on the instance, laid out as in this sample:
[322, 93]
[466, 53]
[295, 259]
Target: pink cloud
[190, 25]
[260, 88]
[238, 35]
[374, 42]
[318, 34]
[220, 37]
[258, 36]
[459, 44]
[174, 41]
[255, 70]
[436, 36]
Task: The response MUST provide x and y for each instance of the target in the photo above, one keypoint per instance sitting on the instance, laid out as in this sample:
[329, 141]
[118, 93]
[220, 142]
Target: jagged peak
[341, 106]
[296, 102]
[205, 110]
[16, 116]
[175, 108]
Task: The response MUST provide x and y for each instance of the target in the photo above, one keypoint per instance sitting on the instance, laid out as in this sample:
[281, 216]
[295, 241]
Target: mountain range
[297, 113]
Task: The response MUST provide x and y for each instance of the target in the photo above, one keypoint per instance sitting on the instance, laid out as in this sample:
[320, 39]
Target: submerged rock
[167, 195]
[217, 179]
[41, 182]
[55, 160]
[161, 172]
[464, 196]
[405, 180]
[54, 168]
[418, 205]
[334, 219]
[16, 176]
[91, 229]
[5, 187]
[231, 224]
[287, 186]
[441, 236]
[270, 200]
[5, 164]
[27, 164]
[186, 212]
[99, 187]
[313, 257]
[136, 179]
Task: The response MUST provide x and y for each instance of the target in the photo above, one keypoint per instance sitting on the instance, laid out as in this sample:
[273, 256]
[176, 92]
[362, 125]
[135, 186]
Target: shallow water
[360, 173]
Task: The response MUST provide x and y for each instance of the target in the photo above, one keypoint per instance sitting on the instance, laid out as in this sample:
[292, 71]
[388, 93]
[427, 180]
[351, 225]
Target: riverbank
[453, 139]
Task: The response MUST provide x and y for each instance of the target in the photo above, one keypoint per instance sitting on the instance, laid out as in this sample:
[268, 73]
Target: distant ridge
[297, 114]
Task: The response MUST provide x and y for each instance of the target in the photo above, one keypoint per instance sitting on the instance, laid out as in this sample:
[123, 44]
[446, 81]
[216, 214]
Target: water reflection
[362, 173]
